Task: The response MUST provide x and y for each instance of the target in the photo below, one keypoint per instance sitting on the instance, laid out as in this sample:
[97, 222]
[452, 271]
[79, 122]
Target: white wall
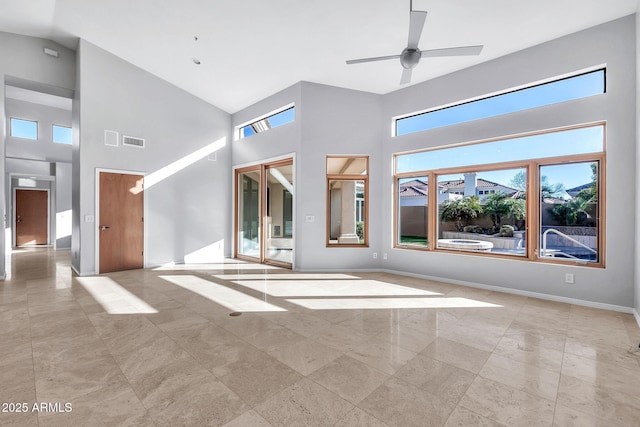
[612, 44]
[336, 122]
[23, 59]
[44, 148]
[186, 211]
[62, 209]
[42, 157]
[637, 180]
[279, 142]
[329, 120]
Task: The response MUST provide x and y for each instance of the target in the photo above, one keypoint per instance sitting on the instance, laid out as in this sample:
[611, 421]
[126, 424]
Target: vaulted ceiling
[251, 49]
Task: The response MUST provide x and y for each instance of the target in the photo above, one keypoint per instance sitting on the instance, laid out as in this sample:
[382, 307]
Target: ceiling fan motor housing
[409, 58]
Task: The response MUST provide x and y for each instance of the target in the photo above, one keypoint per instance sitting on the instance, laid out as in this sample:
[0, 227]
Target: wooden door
[121, 222]
[32, 217]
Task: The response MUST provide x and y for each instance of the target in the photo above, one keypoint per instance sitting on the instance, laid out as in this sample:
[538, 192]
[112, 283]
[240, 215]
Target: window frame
[533, 223]
[53, 126]
[11, 119]
[347, 177]
[396, 215]
[239, 133]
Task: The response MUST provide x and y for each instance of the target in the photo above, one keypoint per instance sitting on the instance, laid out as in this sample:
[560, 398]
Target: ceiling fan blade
[416, 24]
[453, 51]
[375, 58]
[406, 76]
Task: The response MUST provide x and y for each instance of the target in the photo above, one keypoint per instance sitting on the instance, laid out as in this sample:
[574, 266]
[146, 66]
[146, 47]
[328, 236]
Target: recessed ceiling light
[196, 61]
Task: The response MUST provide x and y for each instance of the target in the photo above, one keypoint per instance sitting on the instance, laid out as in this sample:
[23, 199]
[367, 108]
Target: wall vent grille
[132, 141]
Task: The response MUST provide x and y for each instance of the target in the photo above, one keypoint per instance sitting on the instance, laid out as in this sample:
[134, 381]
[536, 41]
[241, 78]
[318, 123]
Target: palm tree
[547, 190]
[574, 211]
[499, 205]
[460, 211]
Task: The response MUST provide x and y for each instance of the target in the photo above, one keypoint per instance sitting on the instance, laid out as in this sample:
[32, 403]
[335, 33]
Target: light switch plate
[88, 218]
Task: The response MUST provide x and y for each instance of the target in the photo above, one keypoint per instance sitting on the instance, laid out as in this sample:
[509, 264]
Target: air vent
[132, 141]
[111, 138]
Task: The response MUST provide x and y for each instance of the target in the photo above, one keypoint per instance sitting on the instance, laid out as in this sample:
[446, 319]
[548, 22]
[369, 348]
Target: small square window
[26, 129]
[62, 134]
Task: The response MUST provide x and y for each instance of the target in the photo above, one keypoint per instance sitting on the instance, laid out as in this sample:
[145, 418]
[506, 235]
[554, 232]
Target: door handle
[104, 227]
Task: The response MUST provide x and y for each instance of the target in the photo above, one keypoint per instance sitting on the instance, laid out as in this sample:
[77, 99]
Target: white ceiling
[250, 49]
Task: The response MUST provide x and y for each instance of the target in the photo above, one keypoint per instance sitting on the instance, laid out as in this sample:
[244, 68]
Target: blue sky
[62, 134]
[568, 89]
[568, 142]
[278, 119]
[24, 129]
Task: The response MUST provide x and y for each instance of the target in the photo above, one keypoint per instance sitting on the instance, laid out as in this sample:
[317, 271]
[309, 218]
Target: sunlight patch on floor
[387, 303]
[226, 297]
[114, 298]
[330, 288]
[285, 276]
[226, 266]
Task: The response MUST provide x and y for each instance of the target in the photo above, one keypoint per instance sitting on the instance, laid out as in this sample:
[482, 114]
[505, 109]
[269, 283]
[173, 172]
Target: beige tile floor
[158, 347]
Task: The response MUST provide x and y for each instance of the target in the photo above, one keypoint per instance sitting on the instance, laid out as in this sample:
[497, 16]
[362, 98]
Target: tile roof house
[415, 192]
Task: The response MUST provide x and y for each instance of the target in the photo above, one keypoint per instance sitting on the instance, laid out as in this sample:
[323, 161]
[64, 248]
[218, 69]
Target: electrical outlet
[569, 278]
[375, 255]
[384, 255]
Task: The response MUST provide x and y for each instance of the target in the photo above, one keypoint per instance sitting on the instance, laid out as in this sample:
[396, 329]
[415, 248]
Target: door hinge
[142, 253]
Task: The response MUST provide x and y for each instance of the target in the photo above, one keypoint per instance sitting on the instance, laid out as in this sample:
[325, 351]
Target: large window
[535, 197]
[413, 212]
[347, 201]
[553, 92]
[272, 120]
[482, 211]
[569, 225]
[26, 129]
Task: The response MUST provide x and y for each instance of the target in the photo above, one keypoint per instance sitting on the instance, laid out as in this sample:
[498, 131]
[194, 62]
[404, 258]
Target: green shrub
[506, 231]
[472, 229]
[360, 229]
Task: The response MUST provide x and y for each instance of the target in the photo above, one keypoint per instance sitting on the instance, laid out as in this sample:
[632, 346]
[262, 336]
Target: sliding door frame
[262, 168]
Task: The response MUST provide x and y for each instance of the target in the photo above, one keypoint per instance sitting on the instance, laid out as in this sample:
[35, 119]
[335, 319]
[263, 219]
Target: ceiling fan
[410, 56]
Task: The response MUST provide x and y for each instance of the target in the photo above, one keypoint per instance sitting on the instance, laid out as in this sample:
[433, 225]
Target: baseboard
[342, 270]
[567, 300]
[77, 273]
[637, 316]
[585, 303]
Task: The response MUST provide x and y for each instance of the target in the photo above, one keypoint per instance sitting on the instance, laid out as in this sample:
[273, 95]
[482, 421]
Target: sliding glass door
[248, 202]
[279, 232]
[264, 213]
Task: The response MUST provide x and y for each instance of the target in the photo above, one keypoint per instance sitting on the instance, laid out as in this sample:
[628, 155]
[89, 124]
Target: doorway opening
[264, 220]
